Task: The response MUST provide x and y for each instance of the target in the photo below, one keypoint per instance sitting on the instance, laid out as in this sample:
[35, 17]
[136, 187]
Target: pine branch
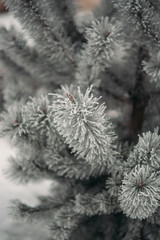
[28, 58]
[102, 39]
[142, 16]
[152, 67]
[63, 11]
[84, 125]
[40, 31]
[146, 152]
[139, 194]
[101, 203]
[68, 166]
[17, 83]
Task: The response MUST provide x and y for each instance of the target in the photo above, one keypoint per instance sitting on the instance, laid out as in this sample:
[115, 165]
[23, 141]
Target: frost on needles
[140, 192]
[82, 121]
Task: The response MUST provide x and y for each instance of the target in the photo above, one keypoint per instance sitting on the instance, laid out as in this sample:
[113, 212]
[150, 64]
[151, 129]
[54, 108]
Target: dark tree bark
[139, 98]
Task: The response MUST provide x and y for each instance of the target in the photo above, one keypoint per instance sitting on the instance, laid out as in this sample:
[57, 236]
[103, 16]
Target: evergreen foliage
[82, 122]
[59, 74]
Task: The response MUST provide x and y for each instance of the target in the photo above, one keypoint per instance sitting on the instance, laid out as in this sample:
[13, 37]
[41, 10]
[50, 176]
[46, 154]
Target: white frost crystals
[140, 193]
[146, 152]
[152, 68]
[103, 38]
[82, 121]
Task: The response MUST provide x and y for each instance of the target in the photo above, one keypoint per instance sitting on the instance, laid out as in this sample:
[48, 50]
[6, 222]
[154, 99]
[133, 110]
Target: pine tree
[59, 74]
